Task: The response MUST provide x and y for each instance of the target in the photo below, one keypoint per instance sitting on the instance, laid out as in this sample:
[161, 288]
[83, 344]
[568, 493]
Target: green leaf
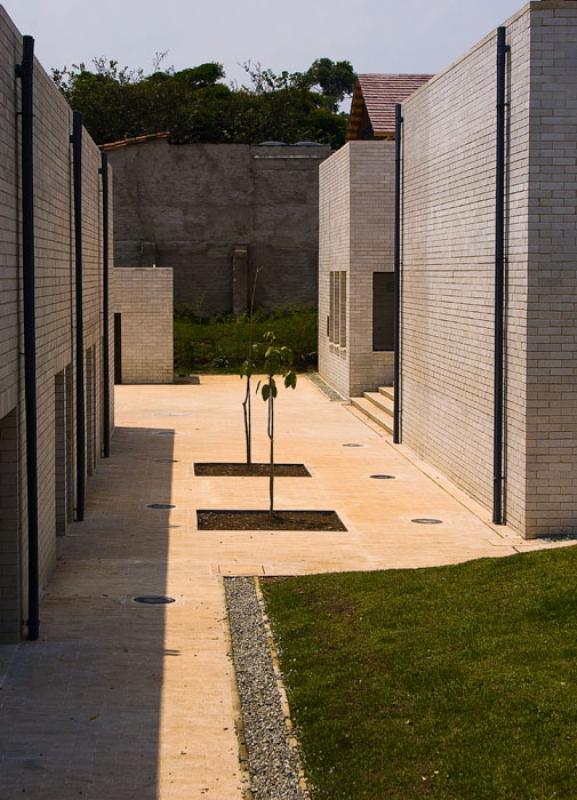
[265, 392]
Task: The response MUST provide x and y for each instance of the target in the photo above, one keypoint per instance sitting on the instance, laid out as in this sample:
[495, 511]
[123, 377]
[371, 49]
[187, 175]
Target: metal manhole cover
[383, 477]
[352, 445]
[160, 506]
[154, 599]
[427, 521]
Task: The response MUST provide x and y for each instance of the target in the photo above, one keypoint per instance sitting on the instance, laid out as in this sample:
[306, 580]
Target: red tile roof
[375, 96]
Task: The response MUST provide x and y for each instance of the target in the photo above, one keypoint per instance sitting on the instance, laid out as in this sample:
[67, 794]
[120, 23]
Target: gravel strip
[273, 763]
[327, 390]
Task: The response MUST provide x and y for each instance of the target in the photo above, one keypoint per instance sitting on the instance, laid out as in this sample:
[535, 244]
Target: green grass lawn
[454, 682]
[220, 344]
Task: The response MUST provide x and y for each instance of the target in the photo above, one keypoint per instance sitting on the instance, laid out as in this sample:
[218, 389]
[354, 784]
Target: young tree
[247, 371]
[277, 364]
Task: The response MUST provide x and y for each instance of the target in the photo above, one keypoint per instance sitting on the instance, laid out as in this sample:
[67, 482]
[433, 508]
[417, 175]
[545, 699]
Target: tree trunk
[246, 410]
[271, 438]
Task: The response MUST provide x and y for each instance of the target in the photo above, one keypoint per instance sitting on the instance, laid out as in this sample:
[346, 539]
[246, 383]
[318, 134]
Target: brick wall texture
[356, 228]
[143, 298]
[191, 206]
[448, 270]
[55, 299]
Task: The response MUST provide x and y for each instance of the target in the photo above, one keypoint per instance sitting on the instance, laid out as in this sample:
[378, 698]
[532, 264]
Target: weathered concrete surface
[120, 701]
[189, 207]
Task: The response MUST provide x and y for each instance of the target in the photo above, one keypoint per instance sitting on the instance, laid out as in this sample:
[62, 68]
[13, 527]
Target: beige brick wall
[448, 272]
[334, 255]
[55, 300]
[144, 298]
[552, 287]
[356, 236]
[372, 173]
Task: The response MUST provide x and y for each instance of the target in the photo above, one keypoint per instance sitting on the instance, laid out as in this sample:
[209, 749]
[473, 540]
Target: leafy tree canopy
[195, 105]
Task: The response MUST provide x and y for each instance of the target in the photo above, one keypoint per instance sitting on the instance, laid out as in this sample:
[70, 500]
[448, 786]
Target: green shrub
[220, 344]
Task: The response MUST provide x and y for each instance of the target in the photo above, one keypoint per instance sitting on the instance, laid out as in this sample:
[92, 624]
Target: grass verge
[221, 343]
[453, 683]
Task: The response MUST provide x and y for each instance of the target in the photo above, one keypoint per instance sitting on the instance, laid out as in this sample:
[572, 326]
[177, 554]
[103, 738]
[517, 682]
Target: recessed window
[383, 311]
[337, 322]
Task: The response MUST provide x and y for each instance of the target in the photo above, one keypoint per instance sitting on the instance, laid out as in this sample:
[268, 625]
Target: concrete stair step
[373, 412]
[387, 391]
[382, 402]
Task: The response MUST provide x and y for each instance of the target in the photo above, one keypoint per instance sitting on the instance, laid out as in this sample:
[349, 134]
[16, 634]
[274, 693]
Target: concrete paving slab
[120, 700]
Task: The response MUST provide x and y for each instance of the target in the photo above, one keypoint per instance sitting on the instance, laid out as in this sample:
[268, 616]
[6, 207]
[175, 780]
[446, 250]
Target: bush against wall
[195, 105]
[220, 343]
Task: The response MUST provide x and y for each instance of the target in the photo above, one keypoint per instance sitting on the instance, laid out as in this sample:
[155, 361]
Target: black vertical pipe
[105, 305]
[498, 381]
[80, 413]
[25, 71]
[397, 275]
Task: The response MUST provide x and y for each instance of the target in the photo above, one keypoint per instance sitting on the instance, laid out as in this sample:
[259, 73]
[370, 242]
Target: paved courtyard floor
[122, 701]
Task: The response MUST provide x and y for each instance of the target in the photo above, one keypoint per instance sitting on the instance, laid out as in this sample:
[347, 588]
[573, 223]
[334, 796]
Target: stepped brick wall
[55, 312]
[356, 236]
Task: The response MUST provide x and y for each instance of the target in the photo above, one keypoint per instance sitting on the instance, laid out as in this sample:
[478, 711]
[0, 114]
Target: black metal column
[498, 381]
[25, 71]
[397, 274]
[76, 140]
[105, 305]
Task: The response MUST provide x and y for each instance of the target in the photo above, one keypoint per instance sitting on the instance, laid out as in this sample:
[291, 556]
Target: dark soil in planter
[264, 521]
[244, 470]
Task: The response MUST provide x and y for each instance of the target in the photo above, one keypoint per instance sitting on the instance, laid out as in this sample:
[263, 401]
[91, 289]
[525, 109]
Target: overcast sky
[375, 35]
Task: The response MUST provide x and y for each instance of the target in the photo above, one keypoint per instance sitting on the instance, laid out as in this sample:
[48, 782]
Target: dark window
[337, 320]
[383, 311]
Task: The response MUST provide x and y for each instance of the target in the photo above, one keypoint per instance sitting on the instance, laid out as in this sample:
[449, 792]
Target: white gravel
[273, 763]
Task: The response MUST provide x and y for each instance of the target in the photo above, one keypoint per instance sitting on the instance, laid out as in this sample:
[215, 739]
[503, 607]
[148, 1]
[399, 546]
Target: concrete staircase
[377, 406]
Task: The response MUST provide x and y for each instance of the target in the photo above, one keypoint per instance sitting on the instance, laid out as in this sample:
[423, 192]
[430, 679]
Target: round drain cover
[383, 477]
[160, 506]
[154, 599]
[352, 445]
[426, 521]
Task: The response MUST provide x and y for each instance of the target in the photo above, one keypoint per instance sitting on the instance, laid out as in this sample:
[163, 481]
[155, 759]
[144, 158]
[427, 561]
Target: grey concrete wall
[448, 272]
[190, 206]
[143, 298]
[55, 312]
[356, 236]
